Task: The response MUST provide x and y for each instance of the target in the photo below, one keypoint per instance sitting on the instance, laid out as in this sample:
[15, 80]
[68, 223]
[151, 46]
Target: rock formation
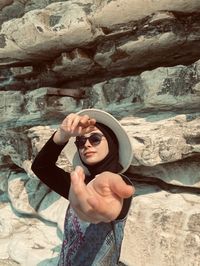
[138, 60]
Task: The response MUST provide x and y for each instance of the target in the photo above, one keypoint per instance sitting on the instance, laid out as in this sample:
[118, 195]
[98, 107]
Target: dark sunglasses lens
[80, 142]
[95, 139]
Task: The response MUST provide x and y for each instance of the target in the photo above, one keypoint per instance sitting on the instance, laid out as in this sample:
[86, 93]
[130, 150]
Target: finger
[77, 182]
[64, 124]
[79, 131]
[88, 129]
[69, 121]
[75, 122]
[87, 125]
[92, 121]
[80, 192]
[84, 120]
[65, 119]
[120, 188]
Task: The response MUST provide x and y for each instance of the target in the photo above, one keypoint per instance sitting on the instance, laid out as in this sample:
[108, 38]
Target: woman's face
[92, 153]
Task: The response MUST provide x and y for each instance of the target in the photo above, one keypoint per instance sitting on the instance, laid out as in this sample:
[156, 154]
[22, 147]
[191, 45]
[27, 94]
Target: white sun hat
[125, 147]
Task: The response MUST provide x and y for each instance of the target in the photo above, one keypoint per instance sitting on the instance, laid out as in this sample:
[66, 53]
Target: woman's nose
[87, 144]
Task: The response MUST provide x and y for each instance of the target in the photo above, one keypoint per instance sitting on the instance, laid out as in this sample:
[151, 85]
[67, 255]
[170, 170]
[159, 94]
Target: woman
[98, 192]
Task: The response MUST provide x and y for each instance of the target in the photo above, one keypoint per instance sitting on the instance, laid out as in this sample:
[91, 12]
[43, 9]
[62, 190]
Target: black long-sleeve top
[45, 168]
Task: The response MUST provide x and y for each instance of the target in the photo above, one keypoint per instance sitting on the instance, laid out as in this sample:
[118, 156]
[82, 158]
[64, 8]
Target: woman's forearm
[45, 168]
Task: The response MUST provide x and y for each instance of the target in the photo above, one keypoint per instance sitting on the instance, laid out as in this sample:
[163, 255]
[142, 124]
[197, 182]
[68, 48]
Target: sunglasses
[94, 140]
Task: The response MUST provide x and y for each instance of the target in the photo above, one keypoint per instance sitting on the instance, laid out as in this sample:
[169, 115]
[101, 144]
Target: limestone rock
[138, 60]
[27, 240]
[111, 44]
[162, 227]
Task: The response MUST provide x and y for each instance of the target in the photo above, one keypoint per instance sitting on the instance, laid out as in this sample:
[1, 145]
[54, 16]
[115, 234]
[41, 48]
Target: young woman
[98, 191]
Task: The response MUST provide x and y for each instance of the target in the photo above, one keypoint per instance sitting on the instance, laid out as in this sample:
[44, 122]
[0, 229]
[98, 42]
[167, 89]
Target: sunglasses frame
[92, 142]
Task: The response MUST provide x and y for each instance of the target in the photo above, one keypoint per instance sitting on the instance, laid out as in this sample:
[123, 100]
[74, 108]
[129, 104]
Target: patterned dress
[87, 244]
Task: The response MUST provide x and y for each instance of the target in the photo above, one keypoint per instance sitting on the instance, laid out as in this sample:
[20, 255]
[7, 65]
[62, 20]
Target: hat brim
[125, 146]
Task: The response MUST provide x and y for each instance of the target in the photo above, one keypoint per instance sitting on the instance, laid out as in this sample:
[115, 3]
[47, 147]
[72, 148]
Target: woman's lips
[89, 153]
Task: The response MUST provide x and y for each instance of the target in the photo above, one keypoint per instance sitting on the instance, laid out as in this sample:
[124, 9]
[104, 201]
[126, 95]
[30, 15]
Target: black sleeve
[45, 168]
[127, 202]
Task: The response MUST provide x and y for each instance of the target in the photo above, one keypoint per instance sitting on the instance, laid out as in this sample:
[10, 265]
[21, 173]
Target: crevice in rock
[154, 181]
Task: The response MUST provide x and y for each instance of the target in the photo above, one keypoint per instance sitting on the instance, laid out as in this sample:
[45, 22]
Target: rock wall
[138, 60]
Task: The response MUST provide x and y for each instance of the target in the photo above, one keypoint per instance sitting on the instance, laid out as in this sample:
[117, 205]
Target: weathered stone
[21, 71]
[162, 222]
[5, 3]
[162, 89]
[138, 60]
[112, 44]
[69, 64]
[27, 240]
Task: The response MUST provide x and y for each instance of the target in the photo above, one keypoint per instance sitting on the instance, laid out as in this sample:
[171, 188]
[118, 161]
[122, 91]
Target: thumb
[120, 188]
[80, 172]
[77, 176]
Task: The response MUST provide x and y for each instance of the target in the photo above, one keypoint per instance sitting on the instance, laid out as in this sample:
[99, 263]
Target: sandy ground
[8, 263]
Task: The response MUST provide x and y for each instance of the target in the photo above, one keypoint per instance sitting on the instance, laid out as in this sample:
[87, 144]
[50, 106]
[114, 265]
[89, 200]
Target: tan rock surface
[162, 229]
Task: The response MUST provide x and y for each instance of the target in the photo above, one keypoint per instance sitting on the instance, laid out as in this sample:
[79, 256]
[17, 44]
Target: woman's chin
[90, 162]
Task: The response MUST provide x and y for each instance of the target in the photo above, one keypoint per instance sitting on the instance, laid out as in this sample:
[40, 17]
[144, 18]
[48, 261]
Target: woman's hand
[73, 125]
[101, 200]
